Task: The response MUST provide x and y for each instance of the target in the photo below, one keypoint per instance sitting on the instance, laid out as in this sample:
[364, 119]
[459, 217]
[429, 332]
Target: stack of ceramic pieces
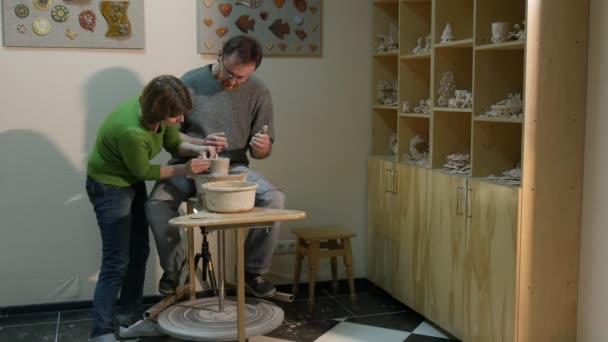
[458, 163]
[512, 176]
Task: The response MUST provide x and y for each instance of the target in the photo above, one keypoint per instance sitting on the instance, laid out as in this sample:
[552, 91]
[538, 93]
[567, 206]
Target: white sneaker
[141, 328]
[104, 338]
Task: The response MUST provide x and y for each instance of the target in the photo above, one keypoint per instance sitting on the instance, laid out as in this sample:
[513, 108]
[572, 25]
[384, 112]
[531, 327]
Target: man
[230, 108]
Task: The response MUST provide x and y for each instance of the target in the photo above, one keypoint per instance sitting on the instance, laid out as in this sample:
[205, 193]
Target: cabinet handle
[458, 199]
[470, 203]
[386, 180]
[395, 178]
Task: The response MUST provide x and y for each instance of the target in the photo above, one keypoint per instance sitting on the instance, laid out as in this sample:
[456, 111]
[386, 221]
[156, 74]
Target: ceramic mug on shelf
[500, 32]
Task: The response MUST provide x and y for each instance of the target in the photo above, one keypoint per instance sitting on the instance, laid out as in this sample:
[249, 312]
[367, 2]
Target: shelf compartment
[460, 62]
[384, 14]
[496, 147]
[384, 124]
[414, 81]
[512, 45]
[384, 69]
[409, 127]
[459, 13]
[414, 23]
[451, 133]
[497, 73]
[491, 11]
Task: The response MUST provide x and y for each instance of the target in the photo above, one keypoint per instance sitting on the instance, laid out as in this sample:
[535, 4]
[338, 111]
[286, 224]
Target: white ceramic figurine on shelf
[386, 93]
[519, 32]
[406, 107]
[447, 86]
[512, 107]
[462, 99]
[447, 35]
[427, 44]
[418, 49]
[388, 41]
[424, 107]
[393, 145]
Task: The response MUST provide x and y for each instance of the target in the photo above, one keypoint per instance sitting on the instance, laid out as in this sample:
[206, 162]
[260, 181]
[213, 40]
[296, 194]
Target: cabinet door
[446, 247]
[410, 253]
[380, 202]
[490, 269]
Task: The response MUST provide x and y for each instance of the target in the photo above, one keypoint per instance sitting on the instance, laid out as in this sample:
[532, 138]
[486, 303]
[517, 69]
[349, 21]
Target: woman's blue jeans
[125, 249]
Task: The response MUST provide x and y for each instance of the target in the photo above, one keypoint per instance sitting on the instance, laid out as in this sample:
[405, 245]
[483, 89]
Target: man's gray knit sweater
[240, 113]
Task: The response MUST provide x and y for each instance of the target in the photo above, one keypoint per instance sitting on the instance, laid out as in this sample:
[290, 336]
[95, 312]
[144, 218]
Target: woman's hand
[197, 165]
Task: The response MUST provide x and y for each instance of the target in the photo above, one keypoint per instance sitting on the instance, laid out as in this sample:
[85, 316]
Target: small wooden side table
[255, 218]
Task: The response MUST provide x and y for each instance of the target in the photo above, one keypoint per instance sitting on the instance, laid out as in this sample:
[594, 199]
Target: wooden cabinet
[472, 245]
[491, 262]
[411, 251]
[445, 225]
[380, 222]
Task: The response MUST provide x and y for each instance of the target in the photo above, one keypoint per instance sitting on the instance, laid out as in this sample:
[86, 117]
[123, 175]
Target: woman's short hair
[164, 97]
[246, 48]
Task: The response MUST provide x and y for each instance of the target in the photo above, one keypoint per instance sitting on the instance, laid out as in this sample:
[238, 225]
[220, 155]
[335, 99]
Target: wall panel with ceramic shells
[283, 27]
[76, 24]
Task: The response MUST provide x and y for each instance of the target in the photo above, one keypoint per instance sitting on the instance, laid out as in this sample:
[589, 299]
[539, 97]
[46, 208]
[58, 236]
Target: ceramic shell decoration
[88, 20]
[115, 13]
[41, 26]
[22, 11]
[282, 27]
[113, 24]
[60, 13]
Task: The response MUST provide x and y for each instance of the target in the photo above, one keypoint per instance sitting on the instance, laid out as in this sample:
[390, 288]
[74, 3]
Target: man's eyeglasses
[229, 75]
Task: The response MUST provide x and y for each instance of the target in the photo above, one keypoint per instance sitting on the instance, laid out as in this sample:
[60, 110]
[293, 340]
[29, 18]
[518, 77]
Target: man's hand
[260, 144]
[217, 140]
[206, 152]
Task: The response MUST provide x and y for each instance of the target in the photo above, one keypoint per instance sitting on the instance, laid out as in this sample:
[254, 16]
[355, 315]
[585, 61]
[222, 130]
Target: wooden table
[255, 218]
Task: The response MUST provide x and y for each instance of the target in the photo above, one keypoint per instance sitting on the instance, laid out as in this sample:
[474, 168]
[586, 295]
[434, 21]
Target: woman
[133, 134]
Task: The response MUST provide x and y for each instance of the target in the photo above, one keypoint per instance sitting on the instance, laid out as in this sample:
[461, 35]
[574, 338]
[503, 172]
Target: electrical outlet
[285, 247]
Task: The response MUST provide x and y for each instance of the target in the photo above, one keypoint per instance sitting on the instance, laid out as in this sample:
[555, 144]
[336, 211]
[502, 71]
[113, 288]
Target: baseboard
[148, 300]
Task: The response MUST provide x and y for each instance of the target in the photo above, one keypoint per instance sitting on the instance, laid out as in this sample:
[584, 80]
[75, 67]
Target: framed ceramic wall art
[283, 27]
[73, 23]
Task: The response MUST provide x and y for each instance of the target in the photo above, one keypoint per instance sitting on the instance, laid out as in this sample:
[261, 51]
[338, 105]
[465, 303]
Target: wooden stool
[323, 241]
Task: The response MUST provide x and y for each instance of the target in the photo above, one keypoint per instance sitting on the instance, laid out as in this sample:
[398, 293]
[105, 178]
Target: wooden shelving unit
[489, 71]
[385, 68]
[445, 221]
[473, 254]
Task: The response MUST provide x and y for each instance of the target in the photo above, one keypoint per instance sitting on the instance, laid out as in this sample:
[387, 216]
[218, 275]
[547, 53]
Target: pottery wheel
[200, 320]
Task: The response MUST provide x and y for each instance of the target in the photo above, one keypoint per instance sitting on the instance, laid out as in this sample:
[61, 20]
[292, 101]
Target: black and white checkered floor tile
[374, 317]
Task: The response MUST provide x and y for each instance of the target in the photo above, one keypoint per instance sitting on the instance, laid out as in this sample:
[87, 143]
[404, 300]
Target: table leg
[191, 270]
[240, 285]
[220, 269]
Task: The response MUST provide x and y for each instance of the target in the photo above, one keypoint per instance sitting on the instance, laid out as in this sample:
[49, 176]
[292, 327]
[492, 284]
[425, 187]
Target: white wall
[593, 287]
[52, 101]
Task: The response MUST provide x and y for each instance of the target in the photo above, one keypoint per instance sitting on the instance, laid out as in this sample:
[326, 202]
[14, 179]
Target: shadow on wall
[105, 90]
[44, 231]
